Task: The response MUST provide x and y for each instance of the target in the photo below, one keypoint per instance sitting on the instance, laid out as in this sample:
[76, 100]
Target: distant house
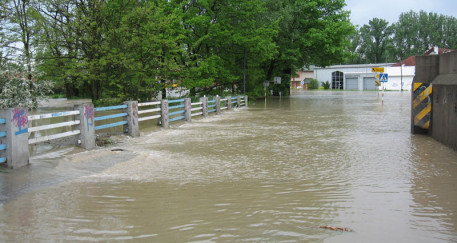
[349, 77]
[360, 76]
[302, 78]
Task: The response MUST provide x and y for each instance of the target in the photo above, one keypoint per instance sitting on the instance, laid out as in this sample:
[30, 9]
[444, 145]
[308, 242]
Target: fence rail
[199, 108]
[145, 118]
[82, 123]
[111, 116]
[53, 126]
[3, 135]
[178, 112]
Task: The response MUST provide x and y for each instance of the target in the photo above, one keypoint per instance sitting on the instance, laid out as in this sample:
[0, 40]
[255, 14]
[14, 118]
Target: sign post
[266, 83]
[383, 77]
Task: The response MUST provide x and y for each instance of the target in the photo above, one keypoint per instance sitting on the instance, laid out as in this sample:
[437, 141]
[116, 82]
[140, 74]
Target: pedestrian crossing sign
[383, 77]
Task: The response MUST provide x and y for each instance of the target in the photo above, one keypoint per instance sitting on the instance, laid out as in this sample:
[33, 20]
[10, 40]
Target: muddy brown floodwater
[274, 172]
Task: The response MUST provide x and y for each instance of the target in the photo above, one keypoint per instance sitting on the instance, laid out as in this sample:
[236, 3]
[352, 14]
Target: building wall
[295, 82]
[397, 75]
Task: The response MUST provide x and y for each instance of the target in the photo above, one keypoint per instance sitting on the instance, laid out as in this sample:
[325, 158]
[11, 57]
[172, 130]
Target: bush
[313, 84]
[18, 91]
[326, 85]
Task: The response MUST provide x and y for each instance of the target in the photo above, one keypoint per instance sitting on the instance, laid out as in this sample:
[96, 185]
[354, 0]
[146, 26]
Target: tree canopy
[413, 34]
[128, 49]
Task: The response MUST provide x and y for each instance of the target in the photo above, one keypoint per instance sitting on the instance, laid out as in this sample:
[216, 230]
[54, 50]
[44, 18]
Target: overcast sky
[363, 11]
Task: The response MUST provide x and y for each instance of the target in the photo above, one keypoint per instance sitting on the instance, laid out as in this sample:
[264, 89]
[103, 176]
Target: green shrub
[107, 102]
[313, 84]
[326, 85]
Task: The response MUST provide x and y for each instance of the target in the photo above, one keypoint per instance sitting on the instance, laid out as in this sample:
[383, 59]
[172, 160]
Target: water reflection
[261, 174]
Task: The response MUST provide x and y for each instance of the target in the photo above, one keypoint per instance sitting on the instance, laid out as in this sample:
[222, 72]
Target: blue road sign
[383, 77]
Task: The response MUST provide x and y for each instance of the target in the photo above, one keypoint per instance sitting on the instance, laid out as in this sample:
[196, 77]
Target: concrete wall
[444, 114]
[441, 72]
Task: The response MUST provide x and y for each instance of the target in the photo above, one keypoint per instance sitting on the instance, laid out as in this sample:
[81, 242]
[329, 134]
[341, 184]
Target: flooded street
[273, 172]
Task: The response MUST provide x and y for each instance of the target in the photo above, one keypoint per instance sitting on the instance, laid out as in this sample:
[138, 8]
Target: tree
[144, 52]
[353, 48]
[19, 90]
[310, 32]
[405, 36]
[376, 40]
[220, 38]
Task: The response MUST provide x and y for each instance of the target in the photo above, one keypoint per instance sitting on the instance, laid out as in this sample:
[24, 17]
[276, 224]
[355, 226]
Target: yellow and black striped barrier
[422, 105]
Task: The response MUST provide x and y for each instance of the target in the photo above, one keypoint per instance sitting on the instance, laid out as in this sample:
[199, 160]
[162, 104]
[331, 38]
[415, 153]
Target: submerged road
[272, 172]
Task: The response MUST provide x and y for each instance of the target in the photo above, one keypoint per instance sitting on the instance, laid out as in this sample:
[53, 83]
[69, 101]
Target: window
[337, 80]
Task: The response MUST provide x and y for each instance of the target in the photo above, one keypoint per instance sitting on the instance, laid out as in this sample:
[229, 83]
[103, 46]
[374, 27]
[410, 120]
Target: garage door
[369, 84]
[352, 83]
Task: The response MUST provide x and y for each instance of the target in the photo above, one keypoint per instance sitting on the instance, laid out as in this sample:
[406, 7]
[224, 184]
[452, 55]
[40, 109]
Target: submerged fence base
[15, 125]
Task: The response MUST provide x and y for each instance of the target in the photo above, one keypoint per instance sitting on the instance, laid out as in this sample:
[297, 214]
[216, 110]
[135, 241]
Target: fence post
[188, 109]
[164, 110]
[229, 102]
[238, 101]
[204, 101]
[218, 105]
[17, 136]
[86, 126]
[246, 100]
[132, 125]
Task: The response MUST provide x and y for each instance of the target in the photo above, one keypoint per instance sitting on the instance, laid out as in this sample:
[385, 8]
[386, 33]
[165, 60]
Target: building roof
[357, 65]
[411, 61]
[440, 51]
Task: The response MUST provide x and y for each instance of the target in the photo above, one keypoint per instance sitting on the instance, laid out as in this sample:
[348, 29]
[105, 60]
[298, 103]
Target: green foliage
[121, 49]
[413, 34]
[313, 84]
[376, 40]
[256, 93]
[107, 102]
[310, 32]
[326, 85]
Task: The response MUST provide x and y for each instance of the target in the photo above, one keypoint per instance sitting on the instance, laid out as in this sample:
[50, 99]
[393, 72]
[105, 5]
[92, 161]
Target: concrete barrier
[15, 141]
[439, 72]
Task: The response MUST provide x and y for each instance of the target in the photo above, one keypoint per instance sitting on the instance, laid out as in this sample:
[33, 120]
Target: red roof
[440, 51]
[411, 61]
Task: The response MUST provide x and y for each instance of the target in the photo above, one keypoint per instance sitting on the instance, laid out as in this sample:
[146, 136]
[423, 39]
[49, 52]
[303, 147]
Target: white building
[361, 77]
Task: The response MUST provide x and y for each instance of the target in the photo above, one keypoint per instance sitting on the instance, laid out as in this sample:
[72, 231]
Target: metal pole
[401, 76]
[244, 73]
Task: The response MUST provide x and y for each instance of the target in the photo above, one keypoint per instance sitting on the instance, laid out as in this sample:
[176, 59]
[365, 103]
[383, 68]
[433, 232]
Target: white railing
[225, 106]
[52, 126]
[158, 109]
[199, 108]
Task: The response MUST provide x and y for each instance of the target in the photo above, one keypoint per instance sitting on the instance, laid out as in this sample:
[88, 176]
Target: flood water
[273, 172]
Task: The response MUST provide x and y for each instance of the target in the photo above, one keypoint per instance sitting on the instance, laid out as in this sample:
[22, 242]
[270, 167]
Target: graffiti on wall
[134, 112]
[20, 120]
[89, 113]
